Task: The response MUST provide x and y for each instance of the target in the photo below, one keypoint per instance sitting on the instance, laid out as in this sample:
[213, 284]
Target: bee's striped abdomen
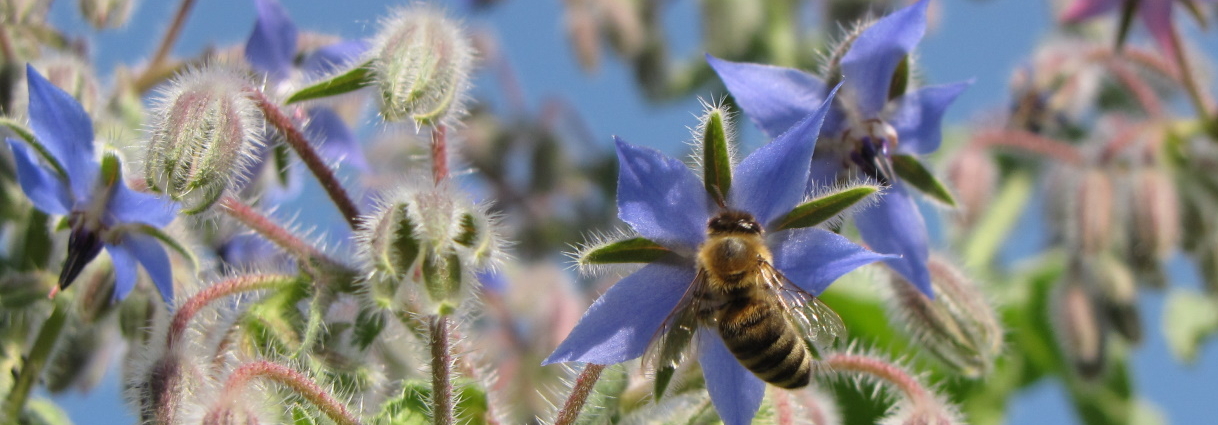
[764, 342]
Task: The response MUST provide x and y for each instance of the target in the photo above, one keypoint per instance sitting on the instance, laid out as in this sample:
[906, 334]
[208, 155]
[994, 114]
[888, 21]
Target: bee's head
[733, 222]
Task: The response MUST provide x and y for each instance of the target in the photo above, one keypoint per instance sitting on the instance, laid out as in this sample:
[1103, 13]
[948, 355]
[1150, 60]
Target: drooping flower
[63, 177]
[1155, 15]
[665, 202]
[872, 122]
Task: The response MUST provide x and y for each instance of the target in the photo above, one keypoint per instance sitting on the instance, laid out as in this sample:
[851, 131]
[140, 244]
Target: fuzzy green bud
[959, 327]
[1082, 334]
[103, 14]
[1117, 294]
[1090, 212]
[431, 236]
[203, 137]
[422, 65]
[1155, 212]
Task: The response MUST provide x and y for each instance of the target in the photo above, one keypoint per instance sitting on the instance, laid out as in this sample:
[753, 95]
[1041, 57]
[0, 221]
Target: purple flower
[271, 48]
[63, 177]
[665, 202]
[1155, 14]
[863, 128]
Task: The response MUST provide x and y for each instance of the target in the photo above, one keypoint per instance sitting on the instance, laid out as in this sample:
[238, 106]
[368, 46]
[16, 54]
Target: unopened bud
[1091, 212]
[231, 411]
[422, 64]
[1155, 210]
[203, 137]
[1118, 295]
[974, 175]
[959, 326]
[103, 14]
[1081, 333]
[163, 389]
[583, 34]
[432, 236]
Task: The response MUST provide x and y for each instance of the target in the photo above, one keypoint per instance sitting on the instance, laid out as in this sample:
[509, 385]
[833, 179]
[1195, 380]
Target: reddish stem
[579, 394]
[274, 232]
[883, 370]
[237, 285]
[439, 153]
[296, 381]
[1030, 142]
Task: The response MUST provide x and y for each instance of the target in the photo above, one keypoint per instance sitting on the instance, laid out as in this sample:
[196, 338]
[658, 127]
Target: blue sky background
[984, 40]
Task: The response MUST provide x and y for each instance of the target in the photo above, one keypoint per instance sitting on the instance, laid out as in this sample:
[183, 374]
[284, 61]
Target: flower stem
[439, 153]
[1030, 142]
[883, 370]
[441, 370]
[31, 368]
[783, 413]
[297, 382]
[301, 145]
[1190, 86]
[275, 233]
[228, 287]
[579, 394]
[153, 70]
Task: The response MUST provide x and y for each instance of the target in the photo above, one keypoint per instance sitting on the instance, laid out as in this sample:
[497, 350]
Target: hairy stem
[441, 371]
[297, 382]
[296, 139]
[31, 368]
[1030, 142]
[579, 394]
[228, 287]
[439, 153]
[883, 370]
[275, 233]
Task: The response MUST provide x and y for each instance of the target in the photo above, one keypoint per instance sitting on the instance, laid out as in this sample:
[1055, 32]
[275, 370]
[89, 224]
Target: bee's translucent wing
[668, 347]
[816, 320]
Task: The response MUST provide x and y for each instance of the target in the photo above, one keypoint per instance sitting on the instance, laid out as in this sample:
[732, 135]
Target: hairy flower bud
[1082, 334]
[1090, 219]
[959, 326]
[432, 236]
[104, 14]
[1155, 212]
[1118, 294]
[203, 136]
[422, 65]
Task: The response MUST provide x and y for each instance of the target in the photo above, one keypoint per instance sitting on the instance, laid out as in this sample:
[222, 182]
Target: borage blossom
[1155, 15]
[61, 176]
[665, 202]
[868, 124]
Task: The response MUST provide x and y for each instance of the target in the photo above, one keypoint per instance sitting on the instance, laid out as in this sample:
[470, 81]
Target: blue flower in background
[63, 177]
[664, 201]
[271, 49]
[865, 126]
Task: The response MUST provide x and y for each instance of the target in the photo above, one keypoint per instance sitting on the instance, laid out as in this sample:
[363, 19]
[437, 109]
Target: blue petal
[661, 198]
[337, 141]
[272, 45]
[41, 185]
[735, 391]
[813, 258]
[152, 256]
[775, 98]
[824, 171]
[919, 114]
[618, 326]
[64, 129]
[894, 225]
[124, 270]
[771, 180]
[129, 206]
[873, 58]
[334, 57]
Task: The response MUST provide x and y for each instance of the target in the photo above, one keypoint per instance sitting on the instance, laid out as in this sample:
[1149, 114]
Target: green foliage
[354, 79]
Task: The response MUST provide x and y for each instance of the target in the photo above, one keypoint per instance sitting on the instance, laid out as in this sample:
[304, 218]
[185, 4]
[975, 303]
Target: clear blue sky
[984, 40]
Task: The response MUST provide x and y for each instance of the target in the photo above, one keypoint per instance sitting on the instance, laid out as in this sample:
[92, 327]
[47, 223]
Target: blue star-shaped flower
[863, 127]
[665, 202]
[102, 211]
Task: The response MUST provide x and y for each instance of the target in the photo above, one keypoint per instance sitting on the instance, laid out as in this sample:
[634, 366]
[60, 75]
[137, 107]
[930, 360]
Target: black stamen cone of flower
[83, 246]
[872, 157]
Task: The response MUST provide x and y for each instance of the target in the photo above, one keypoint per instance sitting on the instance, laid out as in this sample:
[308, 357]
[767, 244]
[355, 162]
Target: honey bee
[765, 320]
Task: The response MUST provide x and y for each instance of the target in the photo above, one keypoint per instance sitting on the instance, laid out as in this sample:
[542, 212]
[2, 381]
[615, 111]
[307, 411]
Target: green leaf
[716, 158]
[1128, 9]
[28, 136]
[1189, 319]
[368, 325]
[355, 79]
[825, 207]
[633, 250]
[663, 378]
[302, 417]
[912, 171]
[409, 407]
[991, 231]
[900, 79]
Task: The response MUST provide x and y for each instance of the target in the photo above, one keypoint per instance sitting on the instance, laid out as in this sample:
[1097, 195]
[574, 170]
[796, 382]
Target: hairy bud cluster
[203, 136]
[104, 14]
[422, 65]
[430, 236]
[959, 327]
[1081, 332]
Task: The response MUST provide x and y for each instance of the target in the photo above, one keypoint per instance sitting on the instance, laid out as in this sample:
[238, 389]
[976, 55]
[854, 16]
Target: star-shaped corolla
[864, 127]
[65, 178]
[664, 201]
[1155, 14]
